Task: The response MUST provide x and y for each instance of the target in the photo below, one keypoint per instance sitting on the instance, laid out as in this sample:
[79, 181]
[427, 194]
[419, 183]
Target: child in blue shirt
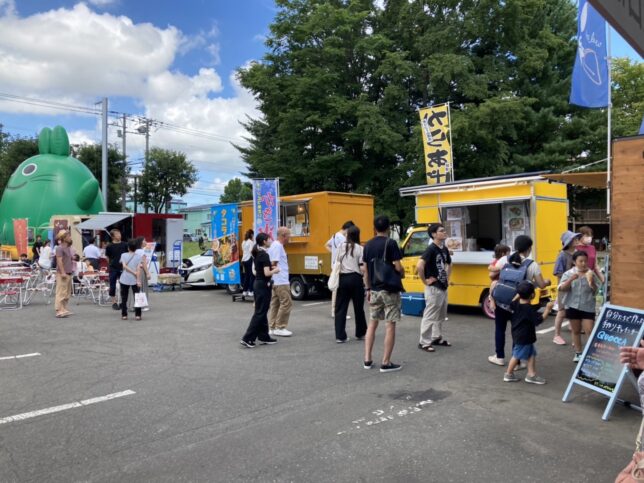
[525, 318]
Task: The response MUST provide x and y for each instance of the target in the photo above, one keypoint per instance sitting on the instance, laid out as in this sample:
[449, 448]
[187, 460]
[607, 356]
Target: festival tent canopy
[102, 221]
[588, 180]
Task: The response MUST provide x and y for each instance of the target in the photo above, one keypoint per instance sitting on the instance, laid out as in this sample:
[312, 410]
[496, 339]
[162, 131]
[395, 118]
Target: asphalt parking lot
[176, 398]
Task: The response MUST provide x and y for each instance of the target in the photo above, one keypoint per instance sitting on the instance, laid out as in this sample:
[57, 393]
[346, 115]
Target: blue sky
[169, 60]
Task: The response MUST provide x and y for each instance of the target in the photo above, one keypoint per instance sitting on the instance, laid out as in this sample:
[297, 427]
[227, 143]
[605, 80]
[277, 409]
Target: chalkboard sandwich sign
[599, 368]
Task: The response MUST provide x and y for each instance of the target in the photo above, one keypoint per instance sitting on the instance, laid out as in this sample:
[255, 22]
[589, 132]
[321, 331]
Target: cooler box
[413, 303]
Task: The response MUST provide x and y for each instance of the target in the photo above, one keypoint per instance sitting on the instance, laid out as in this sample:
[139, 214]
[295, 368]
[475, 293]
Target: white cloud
[82, 55]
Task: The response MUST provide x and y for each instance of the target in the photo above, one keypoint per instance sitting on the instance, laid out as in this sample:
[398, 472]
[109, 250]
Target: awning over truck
[588, 180]
[102, 221]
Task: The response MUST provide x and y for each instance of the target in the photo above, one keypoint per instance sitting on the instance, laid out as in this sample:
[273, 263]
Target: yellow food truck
[478, 214]
[313, 219]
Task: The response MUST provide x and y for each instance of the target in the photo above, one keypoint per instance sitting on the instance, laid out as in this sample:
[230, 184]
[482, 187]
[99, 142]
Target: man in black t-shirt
[113, 252]
[383, 304]
[433, 270]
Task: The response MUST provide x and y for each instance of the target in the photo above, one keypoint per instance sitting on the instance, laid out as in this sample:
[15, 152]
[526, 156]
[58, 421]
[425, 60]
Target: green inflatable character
[51, 183]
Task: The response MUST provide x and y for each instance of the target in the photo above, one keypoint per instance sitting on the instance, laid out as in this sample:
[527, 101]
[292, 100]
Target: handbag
[140, 300]
[334, 278]
[385, 275]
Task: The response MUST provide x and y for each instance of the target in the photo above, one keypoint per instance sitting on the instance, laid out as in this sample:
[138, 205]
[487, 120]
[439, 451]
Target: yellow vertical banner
[437, 143]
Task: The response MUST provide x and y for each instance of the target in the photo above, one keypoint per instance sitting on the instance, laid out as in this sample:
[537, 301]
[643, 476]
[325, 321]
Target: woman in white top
[247, 262]
[45, 256]
[351, 287]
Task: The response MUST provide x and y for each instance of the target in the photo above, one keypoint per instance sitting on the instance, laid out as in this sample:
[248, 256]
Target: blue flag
[642, 127]
[590, 74]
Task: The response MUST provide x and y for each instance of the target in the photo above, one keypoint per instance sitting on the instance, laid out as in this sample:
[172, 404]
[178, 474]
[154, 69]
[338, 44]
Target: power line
[137, 118]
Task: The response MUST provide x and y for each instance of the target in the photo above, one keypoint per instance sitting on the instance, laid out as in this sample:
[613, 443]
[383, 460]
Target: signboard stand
[599, 368]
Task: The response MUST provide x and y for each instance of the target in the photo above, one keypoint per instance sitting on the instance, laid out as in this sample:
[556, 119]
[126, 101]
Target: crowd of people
[126, 266]
[375, 271]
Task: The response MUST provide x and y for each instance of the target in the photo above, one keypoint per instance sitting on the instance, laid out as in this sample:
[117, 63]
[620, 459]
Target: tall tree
[167, 173]
[340, 87]
[91, 156]
[627, 96]
[235, 191]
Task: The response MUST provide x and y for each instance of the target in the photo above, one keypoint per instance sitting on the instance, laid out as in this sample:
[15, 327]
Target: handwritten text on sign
[436, 143]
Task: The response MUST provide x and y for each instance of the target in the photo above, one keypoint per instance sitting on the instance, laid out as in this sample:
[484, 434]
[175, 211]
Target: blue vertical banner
[590, 75]
[266, 206]
[642, 127]
[225, 249]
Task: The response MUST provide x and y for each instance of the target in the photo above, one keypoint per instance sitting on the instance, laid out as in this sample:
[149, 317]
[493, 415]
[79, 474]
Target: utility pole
[147, 142]
[124, 178]
[104, 152]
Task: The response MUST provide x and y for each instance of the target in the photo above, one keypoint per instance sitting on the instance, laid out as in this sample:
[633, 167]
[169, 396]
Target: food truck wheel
[233, 288]
[299, 289]
[485, 305]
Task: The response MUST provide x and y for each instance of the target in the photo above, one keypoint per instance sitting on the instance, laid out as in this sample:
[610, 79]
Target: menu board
[599, 368]
[616, 327]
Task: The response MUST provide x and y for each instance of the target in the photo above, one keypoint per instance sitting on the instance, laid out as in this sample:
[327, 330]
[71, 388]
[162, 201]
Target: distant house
[197, 220]
[176, 205]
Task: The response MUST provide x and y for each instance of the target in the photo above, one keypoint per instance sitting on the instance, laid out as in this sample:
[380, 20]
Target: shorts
[385, 305]
[574, 314]
[524, 352]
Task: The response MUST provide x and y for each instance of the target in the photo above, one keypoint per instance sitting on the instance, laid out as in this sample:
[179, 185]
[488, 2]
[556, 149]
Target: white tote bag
[140, 300]
[334, 278]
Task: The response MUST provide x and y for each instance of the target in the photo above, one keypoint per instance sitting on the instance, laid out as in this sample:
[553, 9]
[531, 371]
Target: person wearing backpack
[513, 270]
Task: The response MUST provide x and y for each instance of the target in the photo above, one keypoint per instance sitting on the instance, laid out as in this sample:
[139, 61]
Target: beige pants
[63, 292]
[281, 305]
[431, 327]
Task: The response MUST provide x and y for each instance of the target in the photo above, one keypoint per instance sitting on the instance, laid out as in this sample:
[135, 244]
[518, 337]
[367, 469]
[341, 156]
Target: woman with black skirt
[258, 326]
[351, 287]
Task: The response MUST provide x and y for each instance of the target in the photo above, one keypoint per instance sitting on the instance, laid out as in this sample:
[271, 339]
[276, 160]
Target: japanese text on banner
[21, 236]
[266, 206]
[225, 250]
[436, 143]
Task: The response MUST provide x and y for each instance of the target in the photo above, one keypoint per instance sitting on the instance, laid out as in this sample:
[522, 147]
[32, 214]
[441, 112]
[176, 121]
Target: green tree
[235, 191]
[91, 155]
[340, 87]
[13, 151]
[167, 173]
[627, 96]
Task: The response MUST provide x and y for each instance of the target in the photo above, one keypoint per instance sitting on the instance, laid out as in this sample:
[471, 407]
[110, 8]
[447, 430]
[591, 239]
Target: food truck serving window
[295, 216]
[478, 228]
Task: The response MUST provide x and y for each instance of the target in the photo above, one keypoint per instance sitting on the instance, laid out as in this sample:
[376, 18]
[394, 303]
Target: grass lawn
[191, 249]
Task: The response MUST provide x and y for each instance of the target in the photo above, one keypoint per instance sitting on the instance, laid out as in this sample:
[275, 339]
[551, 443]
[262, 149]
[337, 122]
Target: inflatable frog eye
[30, 169]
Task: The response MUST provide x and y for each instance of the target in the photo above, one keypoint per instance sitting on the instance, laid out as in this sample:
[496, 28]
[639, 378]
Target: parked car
[196, 271]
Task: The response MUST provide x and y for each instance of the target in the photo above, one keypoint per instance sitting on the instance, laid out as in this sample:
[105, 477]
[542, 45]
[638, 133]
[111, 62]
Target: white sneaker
[283, 332]
[521, 367]
[271, 332]
[245, 294]
[496, 360]
[251, 294]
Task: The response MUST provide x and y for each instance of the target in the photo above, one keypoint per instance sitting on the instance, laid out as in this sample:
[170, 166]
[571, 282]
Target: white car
[197, 270]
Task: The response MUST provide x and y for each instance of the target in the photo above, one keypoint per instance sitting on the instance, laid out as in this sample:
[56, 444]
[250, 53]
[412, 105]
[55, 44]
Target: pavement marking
[21, 356]
[550, 329]
[65, 407]
[383, 415]
[314, 303]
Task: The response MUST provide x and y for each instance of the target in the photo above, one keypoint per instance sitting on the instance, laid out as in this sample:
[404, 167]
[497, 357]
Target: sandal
[442, 342]
[428, 348]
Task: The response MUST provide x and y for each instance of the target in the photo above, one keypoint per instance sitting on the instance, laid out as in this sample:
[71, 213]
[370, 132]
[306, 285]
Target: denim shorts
[524, 352]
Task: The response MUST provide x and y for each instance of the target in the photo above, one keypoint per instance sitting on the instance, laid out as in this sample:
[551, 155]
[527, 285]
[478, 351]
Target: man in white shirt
[281, 302]
[92, 254]
[332, 245]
